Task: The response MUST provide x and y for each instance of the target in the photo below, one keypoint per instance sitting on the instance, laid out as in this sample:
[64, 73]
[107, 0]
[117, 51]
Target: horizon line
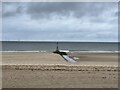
[51, 41]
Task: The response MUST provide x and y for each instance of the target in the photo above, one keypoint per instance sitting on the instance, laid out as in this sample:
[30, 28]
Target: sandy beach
[49, 70]
[59, 44]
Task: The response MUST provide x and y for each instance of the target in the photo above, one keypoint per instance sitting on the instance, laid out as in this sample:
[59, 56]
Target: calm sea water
[51, 46]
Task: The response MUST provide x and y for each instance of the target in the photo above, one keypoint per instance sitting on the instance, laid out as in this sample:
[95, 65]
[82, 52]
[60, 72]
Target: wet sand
[85, 58]
[48, 70]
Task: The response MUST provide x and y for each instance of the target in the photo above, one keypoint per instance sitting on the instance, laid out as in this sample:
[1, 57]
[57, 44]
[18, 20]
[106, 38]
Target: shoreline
[70, 51]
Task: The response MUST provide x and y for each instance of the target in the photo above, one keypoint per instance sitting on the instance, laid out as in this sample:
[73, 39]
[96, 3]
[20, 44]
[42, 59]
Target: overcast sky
[50, 21]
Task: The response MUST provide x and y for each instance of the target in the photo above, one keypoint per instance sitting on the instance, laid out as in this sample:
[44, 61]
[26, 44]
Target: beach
[58, 44]
[49, 70]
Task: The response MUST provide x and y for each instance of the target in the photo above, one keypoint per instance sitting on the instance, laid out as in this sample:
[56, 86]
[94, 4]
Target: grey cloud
[12, 9]
[79, 9]
[59, 10]
[60, 21]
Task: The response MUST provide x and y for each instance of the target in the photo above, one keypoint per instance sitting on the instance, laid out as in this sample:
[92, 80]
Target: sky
[60, 21]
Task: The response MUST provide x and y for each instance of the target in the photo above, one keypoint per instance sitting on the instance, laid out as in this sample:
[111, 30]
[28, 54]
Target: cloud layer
[68, 21]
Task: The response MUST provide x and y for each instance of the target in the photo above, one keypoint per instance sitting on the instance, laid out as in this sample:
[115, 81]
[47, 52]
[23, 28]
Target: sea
[44, 46]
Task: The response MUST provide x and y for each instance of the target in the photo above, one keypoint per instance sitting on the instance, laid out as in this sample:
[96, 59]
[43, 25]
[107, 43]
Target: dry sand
[32, 58]
[48, 70]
